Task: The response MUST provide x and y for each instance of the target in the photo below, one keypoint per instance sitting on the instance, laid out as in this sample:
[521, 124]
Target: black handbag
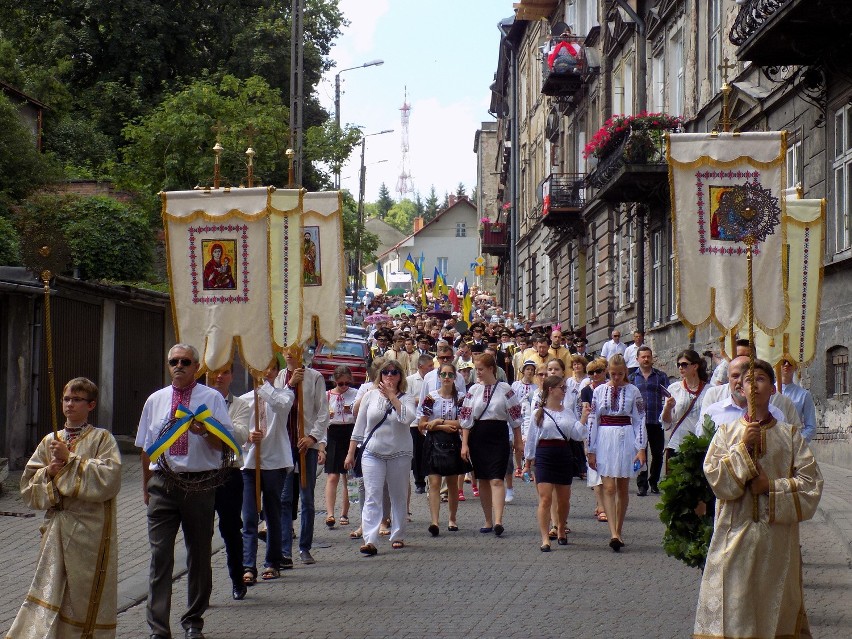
[359, 452]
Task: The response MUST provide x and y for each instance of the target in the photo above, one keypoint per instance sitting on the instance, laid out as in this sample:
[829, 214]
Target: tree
[445, 204]
[385, 201]
[473, 195]
[369, 241]
[419, 206]
[460, 190]
[431, 210]
[401, 216]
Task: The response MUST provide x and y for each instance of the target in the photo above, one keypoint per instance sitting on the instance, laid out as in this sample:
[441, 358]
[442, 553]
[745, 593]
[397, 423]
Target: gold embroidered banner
[285, 266]
[216, 243]
[719, 185]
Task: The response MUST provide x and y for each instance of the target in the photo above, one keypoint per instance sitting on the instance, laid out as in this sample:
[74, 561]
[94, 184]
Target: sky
[444, 54]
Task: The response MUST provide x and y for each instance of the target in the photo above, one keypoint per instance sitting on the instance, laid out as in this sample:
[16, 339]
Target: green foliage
[431, 205]
[10, 244]
[107, 239]
[327, 144]
[460, 190]
[369, 241]
[401, 216]
[419, 205]
[687, 535]
[385, 202]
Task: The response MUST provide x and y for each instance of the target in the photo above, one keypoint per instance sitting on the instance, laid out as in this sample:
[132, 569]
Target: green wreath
[688, 534]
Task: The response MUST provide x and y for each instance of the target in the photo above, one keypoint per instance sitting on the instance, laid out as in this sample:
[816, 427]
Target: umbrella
[399, 310]
[409, 307]
[482, 297]
[375, 318]
[396, 291]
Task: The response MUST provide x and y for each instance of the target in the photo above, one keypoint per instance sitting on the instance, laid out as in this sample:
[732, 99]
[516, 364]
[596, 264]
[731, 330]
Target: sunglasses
[183, 361]
[562, 388]
[390, 372]
[683, 364]
[444, 358]
[596, 371]
[447, 375]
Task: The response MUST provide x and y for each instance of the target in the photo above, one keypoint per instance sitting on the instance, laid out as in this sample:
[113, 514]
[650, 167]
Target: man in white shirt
[195, 453]
[631, 353]
[801, 398]
[229, 496]
[431, 381]
[613, 346]
[415, 382]
[726, 404]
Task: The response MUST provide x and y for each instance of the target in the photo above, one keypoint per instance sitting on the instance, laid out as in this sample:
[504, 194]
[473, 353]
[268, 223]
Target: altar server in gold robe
[766, 481]
[75, 477]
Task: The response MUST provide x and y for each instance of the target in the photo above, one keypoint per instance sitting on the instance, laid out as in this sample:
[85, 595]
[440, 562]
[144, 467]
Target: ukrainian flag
[411, 267]
[423, 295]
[185, 418]
[438, 286]
[467, 304]
[380, 278]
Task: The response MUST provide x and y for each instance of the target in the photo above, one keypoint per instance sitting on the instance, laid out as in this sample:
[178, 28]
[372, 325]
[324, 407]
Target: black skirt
[442, 454]
[554, 464]
[337, 447]
[489, 448]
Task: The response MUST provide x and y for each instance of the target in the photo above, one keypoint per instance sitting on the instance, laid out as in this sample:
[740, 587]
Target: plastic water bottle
[527, 477]
[352, 486]
[636, 465]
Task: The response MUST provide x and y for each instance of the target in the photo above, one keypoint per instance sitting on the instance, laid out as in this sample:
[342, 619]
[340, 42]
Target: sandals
[356, 534]
[398, 545]
[519, 473]
[343, 521]
[330, 521]
[553, 533]
[249, 578]
[602, 516]
[270, 573]
[434, 530]
[369, 549]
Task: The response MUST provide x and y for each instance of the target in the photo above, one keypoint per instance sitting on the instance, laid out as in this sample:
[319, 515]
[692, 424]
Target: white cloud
[364, 16]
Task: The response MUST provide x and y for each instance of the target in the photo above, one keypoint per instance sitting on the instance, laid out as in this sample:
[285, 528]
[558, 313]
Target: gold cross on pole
[725, 121]
[724, 69]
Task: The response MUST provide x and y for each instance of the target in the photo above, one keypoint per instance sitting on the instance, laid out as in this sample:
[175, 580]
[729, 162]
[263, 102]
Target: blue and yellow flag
[439, 286]
[423, 295]
[380, 278]
[420, 267]
[185, 417]
[411, 267]
[467, 304]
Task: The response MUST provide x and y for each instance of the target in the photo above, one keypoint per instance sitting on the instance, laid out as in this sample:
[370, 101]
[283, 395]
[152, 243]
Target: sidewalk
[836, 503]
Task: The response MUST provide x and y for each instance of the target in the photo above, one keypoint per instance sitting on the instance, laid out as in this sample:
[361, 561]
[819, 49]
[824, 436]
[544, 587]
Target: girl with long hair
[682, 408]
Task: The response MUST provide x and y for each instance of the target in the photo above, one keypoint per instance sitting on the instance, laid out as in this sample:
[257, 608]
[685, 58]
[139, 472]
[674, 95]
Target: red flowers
[613, 130]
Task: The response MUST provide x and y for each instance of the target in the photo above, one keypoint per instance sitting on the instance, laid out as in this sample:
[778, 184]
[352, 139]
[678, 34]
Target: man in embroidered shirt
[650, 382]
[195, 453]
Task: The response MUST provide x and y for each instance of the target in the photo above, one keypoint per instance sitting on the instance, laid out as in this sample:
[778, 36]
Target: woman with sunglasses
[488, 406]
[596, 370]
[385, 415]
[341, 411]
[554, 425]
[439, 421]
[616, 442]
[682, 408]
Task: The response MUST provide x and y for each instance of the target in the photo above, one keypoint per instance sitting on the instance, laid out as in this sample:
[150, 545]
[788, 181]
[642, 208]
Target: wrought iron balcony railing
[752, 16]
[638, 147]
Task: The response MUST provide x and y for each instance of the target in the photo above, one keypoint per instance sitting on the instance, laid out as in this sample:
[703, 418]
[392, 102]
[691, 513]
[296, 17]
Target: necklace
[697, 391]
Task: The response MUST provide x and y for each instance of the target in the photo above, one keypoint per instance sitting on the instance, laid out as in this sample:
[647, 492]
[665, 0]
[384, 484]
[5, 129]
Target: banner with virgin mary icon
[217, 252]
[727, 192]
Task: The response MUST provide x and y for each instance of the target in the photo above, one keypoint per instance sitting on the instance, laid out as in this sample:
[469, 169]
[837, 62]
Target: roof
[428, 224]
[8, 88]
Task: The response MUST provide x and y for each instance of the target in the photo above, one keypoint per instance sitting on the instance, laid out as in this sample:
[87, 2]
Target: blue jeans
[271, 482]
[306, 495]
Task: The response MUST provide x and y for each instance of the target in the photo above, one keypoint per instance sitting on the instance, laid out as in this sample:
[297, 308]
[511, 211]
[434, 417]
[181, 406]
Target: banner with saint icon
[726, 197]
[217, 253]
[285, 266]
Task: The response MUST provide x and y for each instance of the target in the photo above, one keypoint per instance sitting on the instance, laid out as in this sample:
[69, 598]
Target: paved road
[459, 585]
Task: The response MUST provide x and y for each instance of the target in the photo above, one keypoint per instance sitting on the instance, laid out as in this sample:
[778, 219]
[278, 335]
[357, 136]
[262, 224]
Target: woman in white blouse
[488, 406]
[385, 417]
[681, 411]
[341, 411]
[616, 442]
[439, 414]
[554, 425]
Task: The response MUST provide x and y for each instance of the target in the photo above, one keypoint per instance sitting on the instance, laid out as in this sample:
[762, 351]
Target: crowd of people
[444, 406]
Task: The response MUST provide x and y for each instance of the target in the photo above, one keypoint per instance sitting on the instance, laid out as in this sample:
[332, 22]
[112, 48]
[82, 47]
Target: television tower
[404, 184]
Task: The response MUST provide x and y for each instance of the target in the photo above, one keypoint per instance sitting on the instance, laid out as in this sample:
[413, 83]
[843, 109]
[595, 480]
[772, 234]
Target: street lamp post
[371, 63]
[362, 180]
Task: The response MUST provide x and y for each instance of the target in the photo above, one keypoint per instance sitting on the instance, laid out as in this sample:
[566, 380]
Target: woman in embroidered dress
[341, 411]
[596, 369]
[439, 420]
[385, 415]
[524, 389]
[682, 409]
[617, 440]
[487, 407]
[554, 425]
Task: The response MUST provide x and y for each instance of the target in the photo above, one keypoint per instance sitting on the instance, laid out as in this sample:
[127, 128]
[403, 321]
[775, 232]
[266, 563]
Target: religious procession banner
[218, 258]
[804, 250]
[322, 267]
[285, 266]
[727, 189]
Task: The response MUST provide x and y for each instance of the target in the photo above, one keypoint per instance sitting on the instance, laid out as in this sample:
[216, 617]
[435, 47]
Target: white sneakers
[510, 495]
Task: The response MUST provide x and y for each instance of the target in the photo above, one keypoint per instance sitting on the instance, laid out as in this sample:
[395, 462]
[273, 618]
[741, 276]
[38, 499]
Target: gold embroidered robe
[752, 582]
[74, 591]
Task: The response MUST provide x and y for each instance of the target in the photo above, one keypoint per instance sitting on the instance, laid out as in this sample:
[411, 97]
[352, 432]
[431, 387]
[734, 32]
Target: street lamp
[361, 186]
[371, 63]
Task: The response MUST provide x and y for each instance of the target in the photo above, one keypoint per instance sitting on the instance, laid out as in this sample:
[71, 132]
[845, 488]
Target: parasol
[399, 310]
[375, 318]
[396, 291]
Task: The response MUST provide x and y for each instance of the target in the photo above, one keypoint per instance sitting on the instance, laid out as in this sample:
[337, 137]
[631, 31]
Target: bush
[10, 245]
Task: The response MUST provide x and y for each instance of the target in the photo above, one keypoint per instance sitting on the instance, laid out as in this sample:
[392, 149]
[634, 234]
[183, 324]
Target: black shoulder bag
[359, 452]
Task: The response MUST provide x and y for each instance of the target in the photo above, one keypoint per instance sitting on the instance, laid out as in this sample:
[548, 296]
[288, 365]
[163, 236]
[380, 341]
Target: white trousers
[377, 472]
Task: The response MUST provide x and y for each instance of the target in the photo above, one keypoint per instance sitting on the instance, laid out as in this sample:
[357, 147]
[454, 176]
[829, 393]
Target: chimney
[418, 223]
[452, 200]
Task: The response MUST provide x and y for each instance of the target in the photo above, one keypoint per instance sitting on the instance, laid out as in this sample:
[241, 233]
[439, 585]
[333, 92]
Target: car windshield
[349, 349]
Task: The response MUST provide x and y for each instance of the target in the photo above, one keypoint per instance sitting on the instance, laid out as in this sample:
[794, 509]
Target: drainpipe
[641, 209]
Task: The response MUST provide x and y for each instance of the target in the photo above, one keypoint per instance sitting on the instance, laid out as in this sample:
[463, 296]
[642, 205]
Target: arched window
[837, 371]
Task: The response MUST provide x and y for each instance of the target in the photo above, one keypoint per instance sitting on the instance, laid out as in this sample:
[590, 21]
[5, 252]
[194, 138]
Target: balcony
[534, 9]
[634, 169]
[792, 32]
[566, 65]
[495, 238]
[563, 198]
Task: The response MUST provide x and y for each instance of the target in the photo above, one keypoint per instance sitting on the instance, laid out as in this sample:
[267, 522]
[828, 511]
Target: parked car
[358, 332]
[349, 351]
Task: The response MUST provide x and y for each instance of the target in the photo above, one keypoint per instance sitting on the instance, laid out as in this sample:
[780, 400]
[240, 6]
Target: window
[677, 86]
[442, 265]
[545, 278]
[842, 167]
[593, 261]
[534, 282]
[630, 256]
[572, 274]
[794, 162]
[628, 85]
[657, 277]
[714, 53]
[837, 371]
[461, 229]
[658, 84]
[671, 276]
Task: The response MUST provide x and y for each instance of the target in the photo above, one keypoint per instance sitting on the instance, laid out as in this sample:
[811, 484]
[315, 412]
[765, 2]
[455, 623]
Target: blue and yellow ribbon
[185, 417]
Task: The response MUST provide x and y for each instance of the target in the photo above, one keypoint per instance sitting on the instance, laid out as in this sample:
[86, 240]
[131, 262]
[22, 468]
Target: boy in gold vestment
[766, 481]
